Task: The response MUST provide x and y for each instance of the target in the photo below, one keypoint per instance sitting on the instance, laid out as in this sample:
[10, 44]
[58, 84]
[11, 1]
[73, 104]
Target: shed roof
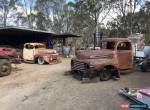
[27, 32]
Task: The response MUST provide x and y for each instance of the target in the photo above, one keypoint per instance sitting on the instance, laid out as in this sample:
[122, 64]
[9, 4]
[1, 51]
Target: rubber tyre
[40, 61]
[105, 74]
[145, 67]
[5, 67]
[78, 75]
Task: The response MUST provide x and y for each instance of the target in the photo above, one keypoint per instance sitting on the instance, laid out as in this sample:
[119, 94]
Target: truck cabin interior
[112, 44]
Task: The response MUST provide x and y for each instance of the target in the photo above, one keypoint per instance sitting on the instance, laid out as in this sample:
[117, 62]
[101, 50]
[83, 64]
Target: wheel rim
[5, 68]
[40, 60]
[105, 74]
[78, 75]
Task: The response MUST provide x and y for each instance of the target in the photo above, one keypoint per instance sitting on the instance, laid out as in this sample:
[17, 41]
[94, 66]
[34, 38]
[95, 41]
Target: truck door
[28, 52]
[124, 55]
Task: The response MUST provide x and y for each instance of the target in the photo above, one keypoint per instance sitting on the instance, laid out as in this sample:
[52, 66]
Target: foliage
[83, 17]
[5, 7]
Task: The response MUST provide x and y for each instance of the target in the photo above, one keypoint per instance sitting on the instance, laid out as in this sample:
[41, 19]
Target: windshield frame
[41, 46]
[105, 41]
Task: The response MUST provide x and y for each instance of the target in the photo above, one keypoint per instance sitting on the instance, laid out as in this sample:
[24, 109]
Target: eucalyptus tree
[7, 10]
[53, 13]
[88, 15]
[28, 12]
[124, 11]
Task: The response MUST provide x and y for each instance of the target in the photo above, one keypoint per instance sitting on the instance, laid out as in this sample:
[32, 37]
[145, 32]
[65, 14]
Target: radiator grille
[77, 65]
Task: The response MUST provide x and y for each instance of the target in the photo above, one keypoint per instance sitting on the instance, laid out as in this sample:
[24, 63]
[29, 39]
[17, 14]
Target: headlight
[91, 66]
[54, 51]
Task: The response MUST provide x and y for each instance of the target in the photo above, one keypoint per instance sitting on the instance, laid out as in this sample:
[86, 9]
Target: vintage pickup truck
[114, 56]
[37, 53]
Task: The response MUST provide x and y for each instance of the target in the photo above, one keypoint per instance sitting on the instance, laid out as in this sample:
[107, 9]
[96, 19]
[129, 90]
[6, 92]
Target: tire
[5, 67]
[78, 75]
[145, 67]
[40, 61]
[105, 74]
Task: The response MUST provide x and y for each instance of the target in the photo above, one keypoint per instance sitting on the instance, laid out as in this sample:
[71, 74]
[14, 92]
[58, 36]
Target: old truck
[11, 52]
[114, 56]
[8, 55]
[37, 53]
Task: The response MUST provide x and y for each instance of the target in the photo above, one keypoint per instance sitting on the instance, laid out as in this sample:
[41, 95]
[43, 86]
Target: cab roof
[34, 43]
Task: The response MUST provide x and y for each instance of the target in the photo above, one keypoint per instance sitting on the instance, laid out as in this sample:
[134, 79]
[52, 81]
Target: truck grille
[79, 66]
[54, 57]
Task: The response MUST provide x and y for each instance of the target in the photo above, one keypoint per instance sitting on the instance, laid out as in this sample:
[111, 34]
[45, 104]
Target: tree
[125, 11]
[53, 10]
[146, 13]
[28, 12]
[7, 7]
[88, 15]
[40, 21]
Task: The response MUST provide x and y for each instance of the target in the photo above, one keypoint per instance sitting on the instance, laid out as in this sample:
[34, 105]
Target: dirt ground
[45, 87]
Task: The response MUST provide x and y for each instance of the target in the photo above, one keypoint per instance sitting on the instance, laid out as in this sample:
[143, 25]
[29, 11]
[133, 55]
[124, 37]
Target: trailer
[141, 96]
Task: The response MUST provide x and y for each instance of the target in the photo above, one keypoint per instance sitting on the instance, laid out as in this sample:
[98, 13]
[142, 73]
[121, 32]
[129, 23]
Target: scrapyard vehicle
[114, 56]
[13, 53]
[37, 53]
[5, 65]
[8, 55]
[145, 64]
[140, 97]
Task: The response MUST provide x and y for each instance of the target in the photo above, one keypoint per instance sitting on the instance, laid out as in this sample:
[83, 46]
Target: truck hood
[98, 63]
[95, 54]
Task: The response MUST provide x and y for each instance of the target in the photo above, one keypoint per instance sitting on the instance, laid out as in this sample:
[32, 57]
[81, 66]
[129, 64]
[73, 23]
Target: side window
[107, 45]
[28, 46]
[124, 46]
[36, 47]
[110, 45]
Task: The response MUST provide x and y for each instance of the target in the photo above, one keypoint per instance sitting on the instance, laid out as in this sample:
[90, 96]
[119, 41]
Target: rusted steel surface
[11, 53]
[97, 64]
[97, 59]
[32, 51]
[95, 54]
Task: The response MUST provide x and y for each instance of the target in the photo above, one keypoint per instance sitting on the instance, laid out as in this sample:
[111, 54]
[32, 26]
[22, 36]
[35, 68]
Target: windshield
[40, 46]
[107, 45]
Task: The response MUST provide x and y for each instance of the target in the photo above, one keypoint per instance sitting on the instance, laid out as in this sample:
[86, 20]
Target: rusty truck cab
[122, 50]
[124, 55]
[114, 56]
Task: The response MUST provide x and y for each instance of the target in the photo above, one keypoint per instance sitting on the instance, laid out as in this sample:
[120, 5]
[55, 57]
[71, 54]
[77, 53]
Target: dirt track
[45, 87]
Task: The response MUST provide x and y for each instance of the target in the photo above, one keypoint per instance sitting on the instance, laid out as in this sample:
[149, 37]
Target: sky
[69, 0]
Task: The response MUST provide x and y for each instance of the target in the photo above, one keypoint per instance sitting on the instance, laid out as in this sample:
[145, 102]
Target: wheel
[105, 74]
[5, 67]
[41, 60]
[78, 75]
[145, 67]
